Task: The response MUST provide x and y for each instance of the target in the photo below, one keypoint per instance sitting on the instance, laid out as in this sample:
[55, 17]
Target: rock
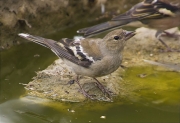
[53, 83]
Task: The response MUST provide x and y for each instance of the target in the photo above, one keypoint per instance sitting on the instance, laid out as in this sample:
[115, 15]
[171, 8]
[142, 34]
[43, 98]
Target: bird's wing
[91, 49]
[149, 9]
[85, 50]
[65, 48]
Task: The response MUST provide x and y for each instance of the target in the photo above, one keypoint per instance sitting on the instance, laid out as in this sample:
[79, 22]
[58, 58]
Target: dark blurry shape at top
[158, 14]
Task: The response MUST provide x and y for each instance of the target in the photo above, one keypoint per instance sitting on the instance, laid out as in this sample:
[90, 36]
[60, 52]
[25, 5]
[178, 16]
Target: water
[152, 99]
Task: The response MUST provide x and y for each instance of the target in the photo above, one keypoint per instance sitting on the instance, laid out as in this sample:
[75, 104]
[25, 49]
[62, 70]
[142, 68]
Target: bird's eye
[116, 37]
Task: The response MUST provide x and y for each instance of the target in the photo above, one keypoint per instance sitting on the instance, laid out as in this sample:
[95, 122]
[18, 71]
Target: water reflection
[18, 65]
[30, 109]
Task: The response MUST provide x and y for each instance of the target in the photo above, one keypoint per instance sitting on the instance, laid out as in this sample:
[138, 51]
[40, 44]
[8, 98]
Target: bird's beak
[129, 34]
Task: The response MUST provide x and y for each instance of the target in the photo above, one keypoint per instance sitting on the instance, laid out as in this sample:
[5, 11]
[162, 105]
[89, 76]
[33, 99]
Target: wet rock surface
[52, 83]
[145, 46]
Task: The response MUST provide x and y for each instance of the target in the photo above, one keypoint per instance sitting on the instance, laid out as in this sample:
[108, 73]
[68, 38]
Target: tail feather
[48, 43]
[36, 39]
[89, 31]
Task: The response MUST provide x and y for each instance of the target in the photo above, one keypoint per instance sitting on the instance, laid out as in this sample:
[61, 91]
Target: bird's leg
[168, 49]
[176, 36]
[82, 90]
[101, 87]
[158, 36]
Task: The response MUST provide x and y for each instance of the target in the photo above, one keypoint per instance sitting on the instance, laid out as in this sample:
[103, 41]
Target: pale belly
[98, 69]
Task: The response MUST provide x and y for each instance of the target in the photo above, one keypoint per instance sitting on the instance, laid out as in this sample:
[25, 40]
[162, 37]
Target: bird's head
[116, 39]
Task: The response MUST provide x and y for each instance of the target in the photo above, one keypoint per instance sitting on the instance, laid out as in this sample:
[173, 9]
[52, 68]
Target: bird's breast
[99, 68]
[106, 66]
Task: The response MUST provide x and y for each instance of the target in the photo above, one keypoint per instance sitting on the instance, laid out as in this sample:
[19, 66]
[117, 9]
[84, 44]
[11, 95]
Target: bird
[157, 14]
[92, 57]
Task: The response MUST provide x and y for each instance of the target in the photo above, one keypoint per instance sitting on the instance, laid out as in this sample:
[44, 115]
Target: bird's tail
[39, 40]
[90, 31]
[48, 43]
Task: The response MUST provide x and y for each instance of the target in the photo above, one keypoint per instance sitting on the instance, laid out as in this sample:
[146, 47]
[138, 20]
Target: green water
[152, 99]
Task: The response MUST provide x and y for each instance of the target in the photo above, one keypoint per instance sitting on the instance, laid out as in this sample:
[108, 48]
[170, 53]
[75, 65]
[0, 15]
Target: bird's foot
[168, 49]
[82, 90]
[173, 35]
[86, 94]
[104, 90]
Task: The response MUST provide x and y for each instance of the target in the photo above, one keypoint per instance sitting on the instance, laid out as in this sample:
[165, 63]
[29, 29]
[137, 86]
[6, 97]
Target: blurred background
[43, 17]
